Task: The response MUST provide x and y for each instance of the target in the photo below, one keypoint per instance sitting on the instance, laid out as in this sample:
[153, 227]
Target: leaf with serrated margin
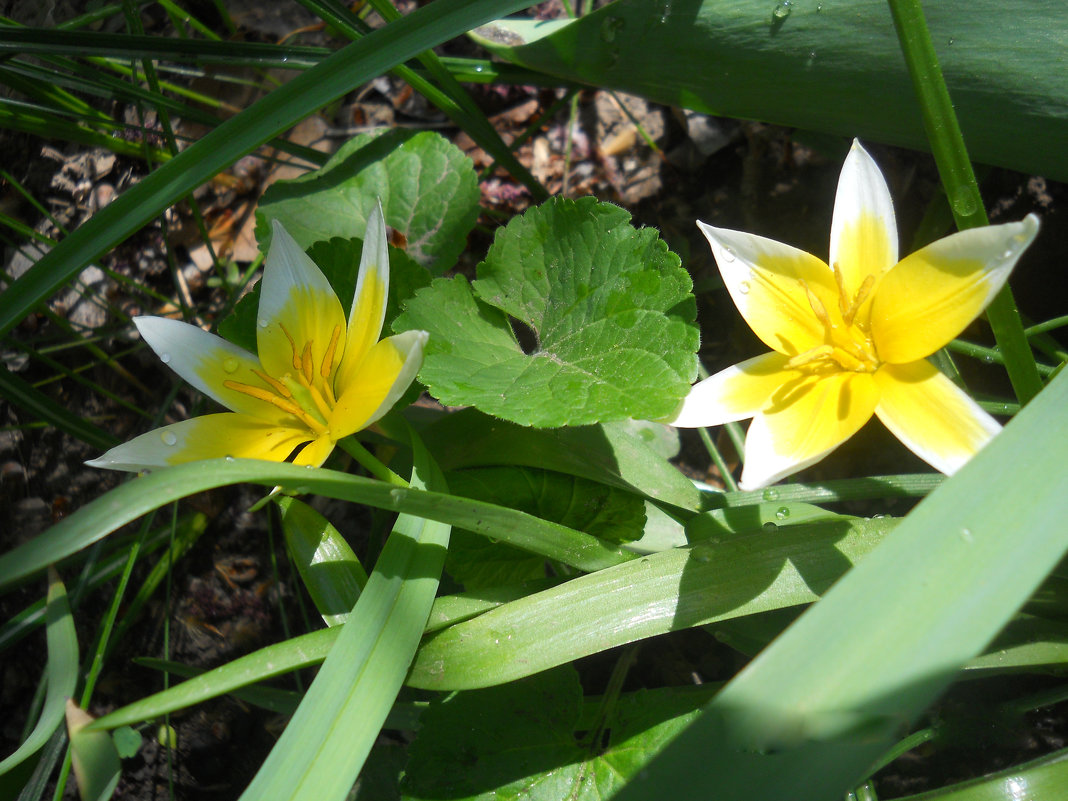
[607, 310]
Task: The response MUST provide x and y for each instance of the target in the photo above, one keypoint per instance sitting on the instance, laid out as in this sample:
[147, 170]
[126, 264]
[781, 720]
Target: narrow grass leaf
[61, 670]
[326, 742]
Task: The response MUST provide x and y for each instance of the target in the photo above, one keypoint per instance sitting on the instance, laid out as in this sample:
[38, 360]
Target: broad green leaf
[578, 503]
[62, 670]
[808, 717]
[521, 740]
[428, 188]
[607, 306]
[339, 259]
[329, 569]
[610, 453]
[325, 743]
[652, 595]
[822, 66]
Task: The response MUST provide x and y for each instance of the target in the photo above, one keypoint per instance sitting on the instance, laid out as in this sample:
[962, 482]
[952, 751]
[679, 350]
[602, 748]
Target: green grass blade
[62, 671]
[662, 592]
[323, 747]
[19, 393]
[329, 569]
[955, 168]
[1046, 777]
[355, 64]
[807, 717]
[134, 498]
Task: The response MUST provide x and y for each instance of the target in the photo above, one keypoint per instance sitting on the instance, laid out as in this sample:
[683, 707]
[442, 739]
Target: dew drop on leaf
[771, 494]
[782, 513]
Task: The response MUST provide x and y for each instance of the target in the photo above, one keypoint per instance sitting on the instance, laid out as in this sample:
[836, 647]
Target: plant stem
[955, 169]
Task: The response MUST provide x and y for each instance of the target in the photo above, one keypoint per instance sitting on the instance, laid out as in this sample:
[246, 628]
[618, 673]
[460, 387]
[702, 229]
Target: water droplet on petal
[967, 536]
[165, 358]
[771, 494]
[230, 365]
[782, 513]
[263, 322]
[744, 287]
[168, 438]
[229, 458]
[728, 255]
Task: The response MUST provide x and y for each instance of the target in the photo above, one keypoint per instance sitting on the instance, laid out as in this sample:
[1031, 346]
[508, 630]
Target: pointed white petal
[378, 383]
[931, 415]
[207, 361]
[767, 281]
[864, 228]
[934, 293]
[736, 393]
[297, 307]
[804, 424]
[209, 437]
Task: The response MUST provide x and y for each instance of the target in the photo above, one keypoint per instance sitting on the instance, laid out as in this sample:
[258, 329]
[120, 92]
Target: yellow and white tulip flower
[851, 339]
[317, 377]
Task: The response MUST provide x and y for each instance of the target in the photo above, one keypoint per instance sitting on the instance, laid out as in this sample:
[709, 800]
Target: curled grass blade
[61, 669]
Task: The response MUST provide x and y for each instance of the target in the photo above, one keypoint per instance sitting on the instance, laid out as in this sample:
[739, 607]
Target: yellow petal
[931, 416]
[736, 393]
[297, 306]
[931, 295]
[209, 437]
[864, 229]
[767, 281]
[369, 300]
[804, 424]
[381, 378]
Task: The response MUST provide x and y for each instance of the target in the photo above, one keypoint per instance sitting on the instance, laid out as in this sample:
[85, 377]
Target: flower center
[307, 392]
[847, 345]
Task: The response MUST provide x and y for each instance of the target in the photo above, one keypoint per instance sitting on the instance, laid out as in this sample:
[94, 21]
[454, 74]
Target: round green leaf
[605, 312]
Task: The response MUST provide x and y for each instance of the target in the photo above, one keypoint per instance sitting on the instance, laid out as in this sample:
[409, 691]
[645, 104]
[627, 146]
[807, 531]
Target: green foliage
[608, 306]
[522, 740]
[428, 189]
[578, 503]
[830, 67]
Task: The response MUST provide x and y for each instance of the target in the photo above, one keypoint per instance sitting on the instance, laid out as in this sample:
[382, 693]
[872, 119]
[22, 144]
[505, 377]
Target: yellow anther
[259, 393]
[817, 306]
[276, 385]
[858, 299]
[306, 362]
[809, 356]
[328, 359]
[292, 348]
